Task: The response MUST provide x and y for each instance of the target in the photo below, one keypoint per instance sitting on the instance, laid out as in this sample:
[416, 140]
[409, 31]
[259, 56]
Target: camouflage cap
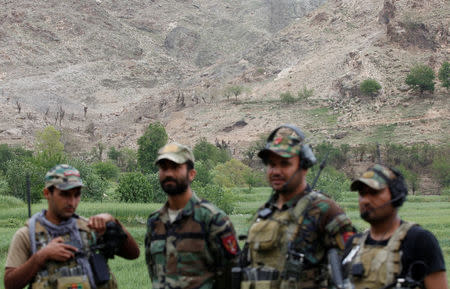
[175, 152]
[284, 146]
[377, 177]
[63, 177]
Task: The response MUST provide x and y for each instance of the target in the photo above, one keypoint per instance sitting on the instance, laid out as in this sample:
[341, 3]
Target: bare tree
[19, 106]
[62, 112]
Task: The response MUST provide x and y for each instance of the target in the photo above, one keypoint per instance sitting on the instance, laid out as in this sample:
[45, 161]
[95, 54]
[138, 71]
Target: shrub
[203, 176]
[8, 202]
[16, 172]
[210, 154]
[411, 178]
[444, 74]
[217, 195]
[305, 93]
[134, 187]
[287, 97]
[106, 170]
[337, 157]
[154, 138]
[421, 78]
[370, 87]
[8, 153]
[332, 182]
[94, 186]
[49, 148]
[231, 174]
[157, 194]
[235, 90]
[441, 171]
[4, 187]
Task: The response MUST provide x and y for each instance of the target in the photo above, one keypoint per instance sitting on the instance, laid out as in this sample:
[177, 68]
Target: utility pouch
[294, 266]
[99, 268]
[79, 282]
[264, 235]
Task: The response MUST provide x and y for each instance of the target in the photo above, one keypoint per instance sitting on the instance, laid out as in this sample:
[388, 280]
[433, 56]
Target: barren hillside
[130, 63]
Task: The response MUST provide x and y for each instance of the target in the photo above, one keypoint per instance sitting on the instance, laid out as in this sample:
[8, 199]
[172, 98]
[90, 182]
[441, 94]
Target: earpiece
[307, 158]
[397, 186]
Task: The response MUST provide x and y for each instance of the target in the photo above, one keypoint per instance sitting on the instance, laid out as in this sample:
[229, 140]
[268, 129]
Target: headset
[397, 186]
[307, 158]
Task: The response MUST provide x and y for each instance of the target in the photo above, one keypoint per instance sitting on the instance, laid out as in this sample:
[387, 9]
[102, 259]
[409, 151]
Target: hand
[57, 250]
[98, 222]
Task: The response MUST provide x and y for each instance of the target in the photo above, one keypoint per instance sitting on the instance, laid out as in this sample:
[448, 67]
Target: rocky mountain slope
[100, 71]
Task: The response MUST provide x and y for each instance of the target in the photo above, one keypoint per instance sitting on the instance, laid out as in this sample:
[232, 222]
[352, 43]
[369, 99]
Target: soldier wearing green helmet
[287, 243]
[54, 249]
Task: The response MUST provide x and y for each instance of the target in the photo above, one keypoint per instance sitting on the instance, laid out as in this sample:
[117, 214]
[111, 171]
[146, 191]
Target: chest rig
[270, 240]
[73, 273]
[375, 266]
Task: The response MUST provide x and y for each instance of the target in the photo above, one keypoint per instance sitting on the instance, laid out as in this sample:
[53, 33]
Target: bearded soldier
[54, 250]
[189, 242]
[288, 242]
[392, 252]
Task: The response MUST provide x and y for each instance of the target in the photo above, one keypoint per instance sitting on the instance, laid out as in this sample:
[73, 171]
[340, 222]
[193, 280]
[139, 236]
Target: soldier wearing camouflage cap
[190, 243]
[53, 249]
[287, 243]
[392, 252]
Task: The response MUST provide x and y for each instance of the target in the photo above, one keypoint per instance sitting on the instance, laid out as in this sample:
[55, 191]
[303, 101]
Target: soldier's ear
[46, 193]
[191, 174]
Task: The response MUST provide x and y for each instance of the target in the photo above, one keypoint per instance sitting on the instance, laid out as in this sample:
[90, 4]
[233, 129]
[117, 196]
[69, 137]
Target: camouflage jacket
[193, 251]
[319, 226]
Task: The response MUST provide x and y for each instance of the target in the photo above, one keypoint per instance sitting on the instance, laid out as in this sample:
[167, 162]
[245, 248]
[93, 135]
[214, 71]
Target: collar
[188, 210]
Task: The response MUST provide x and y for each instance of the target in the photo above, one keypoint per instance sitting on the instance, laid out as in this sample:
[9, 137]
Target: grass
[431, 212]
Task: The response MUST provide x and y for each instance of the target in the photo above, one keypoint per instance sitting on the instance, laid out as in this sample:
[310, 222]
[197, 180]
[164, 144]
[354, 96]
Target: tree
[49, 148]
[153, 139]
[370, 87]
[421, 78]
[134, 187]
[444, 74]
[235, 90]
[9, 153]
[210, 154]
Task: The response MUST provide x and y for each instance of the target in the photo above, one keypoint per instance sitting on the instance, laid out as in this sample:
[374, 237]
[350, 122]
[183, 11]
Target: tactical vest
[382, 264]
[178, 255]
[68, 274]
[268, 241]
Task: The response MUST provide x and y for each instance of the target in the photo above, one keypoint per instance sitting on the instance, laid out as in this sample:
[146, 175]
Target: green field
[432, 212]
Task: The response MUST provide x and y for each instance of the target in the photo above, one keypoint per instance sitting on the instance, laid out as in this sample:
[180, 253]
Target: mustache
[168, 179]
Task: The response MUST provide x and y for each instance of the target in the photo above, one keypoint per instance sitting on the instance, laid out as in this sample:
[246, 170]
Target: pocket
[157, 249]
[264, 235]
[79, 282]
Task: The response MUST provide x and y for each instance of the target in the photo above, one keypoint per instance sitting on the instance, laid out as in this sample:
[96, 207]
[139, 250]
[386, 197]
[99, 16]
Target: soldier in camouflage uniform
[189, 242]
[53, 249]
[288, 242]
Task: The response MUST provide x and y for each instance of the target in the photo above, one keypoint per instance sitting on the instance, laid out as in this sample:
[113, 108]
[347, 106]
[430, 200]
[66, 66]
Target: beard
[178, 188]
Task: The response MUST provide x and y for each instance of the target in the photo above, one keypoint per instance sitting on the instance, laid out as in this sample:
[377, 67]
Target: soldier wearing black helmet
[392, 252]
[287, 243]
